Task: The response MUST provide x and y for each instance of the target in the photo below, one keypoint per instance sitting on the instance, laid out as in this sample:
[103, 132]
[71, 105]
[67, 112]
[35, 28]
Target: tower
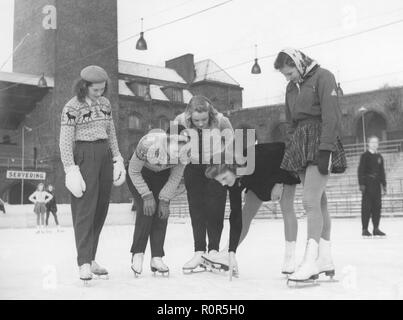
[59, 38]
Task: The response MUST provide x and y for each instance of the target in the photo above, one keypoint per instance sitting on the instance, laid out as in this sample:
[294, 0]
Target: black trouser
[206, 199]
[146, 227]
[89, 212]
[371, 204]
[54, 213]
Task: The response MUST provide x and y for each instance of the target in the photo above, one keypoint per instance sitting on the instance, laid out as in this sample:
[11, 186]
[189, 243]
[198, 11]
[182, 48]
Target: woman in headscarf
[206, 197]
[313, 150]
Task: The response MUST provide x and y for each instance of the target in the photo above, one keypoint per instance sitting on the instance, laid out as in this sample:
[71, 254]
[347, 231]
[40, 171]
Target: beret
[94, 74]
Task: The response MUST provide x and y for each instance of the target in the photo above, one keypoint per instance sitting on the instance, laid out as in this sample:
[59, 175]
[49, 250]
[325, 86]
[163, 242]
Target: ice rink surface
[42, 266]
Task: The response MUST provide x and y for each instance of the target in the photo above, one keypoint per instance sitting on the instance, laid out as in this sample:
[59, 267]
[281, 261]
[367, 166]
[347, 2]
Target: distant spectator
[371, 177]
[2, 208]
[40, 198]
[51, 207]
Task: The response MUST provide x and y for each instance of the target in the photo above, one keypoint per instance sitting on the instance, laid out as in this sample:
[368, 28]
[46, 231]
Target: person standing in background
[40, 198]
[51, 207]
[372, 181]
[2, 208]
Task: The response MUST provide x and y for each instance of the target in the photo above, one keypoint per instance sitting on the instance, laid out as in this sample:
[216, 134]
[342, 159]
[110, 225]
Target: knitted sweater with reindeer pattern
[86, 121]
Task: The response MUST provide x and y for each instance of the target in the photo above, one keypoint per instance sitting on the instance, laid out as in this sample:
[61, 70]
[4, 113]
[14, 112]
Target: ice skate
[308, 271]
[324, 262]
[379, 234]
[38, 230]
[58, 229]
[289, 258]
[98, 271]
[137, 264]
[158, 266]
[222, 261]
[85, 273]
[366, 234]
[196, 264]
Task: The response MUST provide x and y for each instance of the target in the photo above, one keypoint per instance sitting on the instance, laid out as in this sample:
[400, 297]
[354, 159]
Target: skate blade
[216, 265]
[86, 281]
[198, 269]
[312, 281]
[101, 277]
[162, 273]
[379, 237]
[136, 273]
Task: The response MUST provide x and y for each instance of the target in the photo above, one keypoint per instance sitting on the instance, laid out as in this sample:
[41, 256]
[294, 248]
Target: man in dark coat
[372, 180]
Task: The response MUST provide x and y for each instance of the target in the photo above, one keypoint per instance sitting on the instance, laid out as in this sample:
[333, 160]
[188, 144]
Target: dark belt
[95, 141]
[310, 120]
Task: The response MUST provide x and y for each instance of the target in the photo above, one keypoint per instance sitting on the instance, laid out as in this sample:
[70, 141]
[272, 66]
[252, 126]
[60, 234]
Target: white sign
[28, 175]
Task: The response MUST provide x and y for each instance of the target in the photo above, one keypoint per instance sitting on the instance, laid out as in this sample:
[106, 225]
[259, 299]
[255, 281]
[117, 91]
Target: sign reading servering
[28, 175]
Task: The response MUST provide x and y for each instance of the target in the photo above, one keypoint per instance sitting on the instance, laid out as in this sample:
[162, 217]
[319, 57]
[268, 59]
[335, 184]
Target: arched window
[134, 122]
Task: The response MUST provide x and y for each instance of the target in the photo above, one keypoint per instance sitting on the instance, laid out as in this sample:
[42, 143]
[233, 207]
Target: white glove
[119, 171]
[74, 181]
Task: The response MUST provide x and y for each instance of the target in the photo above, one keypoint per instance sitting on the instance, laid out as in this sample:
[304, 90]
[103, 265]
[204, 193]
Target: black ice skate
[366, 234]
[379, 234]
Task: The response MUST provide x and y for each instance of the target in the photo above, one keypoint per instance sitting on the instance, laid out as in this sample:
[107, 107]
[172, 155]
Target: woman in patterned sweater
[155, 171]
[92, 162]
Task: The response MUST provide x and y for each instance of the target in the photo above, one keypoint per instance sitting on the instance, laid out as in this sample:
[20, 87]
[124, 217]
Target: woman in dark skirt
[313, 150]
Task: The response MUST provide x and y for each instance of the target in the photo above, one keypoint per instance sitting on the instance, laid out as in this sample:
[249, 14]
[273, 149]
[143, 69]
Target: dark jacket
[315, 98]
[371, 167]
[51, 205]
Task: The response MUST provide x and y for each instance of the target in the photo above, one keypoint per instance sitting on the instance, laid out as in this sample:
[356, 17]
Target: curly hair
[200, 103]
[81, 86]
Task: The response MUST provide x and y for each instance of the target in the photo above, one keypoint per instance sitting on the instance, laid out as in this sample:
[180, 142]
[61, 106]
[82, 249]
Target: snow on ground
[42, 266]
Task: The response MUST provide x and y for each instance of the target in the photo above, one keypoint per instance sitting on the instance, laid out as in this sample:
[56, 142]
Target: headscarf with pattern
[303, 63]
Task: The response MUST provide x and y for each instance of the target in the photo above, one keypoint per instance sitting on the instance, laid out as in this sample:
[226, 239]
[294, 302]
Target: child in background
[40, 198]
[2, 206]
[51, 207]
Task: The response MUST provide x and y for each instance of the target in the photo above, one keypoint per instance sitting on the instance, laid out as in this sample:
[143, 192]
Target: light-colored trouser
[315, 203]
[253, 203]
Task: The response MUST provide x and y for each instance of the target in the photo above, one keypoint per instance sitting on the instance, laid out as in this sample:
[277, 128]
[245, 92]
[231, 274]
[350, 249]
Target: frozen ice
[43, 266]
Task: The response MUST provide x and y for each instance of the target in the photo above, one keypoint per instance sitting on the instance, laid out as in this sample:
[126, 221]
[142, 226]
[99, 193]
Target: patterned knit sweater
[148, 154]
[86, 121]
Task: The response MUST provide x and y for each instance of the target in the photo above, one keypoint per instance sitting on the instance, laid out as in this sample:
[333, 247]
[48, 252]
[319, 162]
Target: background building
[58, 39]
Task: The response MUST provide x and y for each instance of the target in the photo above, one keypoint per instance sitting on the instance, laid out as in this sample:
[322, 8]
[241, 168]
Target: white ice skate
[98, 271]
[137, 264]
[196, 264]
[324, 261]
[158, 266]
[308, 270]
[85, 273]
[222, 261]
[289, 258]
[216, 260]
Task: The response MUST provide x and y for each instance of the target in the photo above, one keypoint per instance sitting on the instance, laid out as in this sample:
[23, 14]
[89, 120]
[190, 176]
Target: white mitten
[119, 172]
[74, 181]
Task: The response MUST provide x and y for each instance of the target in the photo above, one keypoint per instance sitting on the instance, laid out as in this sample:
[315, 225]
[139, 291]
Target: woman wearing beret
[267, 182]
[206, 197]
[155, 171]
[313, 150]
[92, 163]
